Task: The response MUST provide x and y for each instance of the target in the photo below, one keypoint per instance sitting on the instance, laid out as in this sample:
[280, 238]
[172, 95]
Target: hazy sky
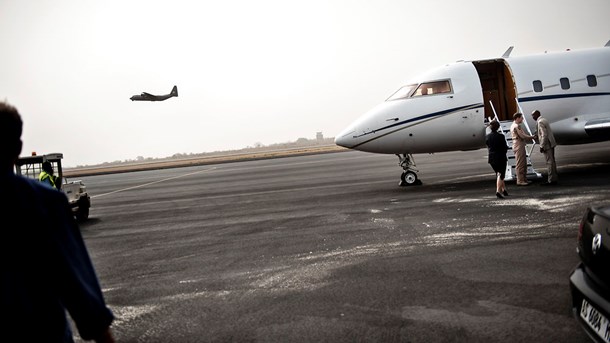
[247, 71]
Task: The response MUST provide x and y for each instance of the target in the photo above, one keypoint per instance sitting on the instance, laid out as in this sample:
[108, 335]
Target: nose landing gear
[409, 176]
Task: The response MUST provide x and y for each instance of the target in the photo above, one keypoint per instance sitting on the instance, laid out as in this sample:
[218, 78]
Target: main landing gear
[409, 176]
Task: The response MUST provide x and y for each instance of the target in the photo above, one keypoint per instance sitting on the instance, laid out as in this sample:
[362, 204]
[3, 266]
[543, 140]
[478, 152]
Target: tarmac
[328, 248]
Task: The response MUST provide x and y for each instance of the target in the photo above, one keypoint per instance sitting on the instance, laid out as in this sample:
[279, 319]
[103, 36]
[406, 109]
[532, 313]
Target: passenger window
[592, 80]
[537, 86]
[431, 88]
[565, 83]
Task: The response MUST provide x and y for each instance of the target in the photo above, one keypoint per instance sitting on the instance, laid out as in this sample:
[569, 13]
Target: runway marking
[125, 314]
[256, 193]
[154, 182]
[557, 205]
[334, 161]
[288, 190]
[451, 200]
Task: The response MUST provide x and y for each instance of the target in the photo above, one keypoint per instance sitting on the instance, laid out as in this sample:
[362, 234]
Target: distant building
[319, 136]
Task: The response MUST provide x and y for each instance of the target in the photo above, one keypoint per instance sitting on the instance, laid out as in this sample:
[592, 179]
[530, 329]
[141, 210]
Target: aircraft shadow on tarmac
[570, 176]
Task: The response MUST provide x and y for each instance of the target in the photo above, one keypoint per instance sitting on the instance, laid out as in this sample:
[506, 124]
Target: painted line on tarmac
[258, 193]
[275, 165]
[154, 182]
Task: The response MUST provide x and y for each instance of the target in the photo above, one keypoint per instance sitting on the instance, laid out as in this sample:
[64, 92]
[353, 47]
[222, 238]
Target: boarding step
[511, 174]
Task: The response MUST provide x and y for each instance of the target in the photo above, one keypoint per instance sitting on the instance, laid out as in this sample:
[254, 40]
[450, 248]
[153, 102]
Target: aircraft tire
[409, 178]
[82, 213]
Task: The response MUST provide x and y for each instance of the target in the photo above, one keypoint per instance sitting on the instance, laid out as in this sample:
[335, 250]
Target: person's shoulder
[499, 137]
[27, 185]
[22, 182]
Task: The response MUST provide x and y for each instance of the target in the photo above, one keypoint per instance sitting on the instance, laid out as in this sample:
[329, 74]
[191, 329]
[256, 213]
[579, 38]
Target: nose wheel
[409, 179]
[409, 176]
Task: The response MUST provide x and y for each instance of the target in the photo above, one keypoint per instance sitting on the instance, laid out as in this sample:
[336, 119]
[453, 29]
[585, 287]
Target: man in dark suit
[45, 268]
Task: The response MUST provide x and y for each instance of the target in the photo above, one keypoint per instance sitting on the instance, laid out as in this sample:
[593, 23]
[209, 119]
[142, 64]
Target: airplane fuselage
[149, 97]
[446, 109]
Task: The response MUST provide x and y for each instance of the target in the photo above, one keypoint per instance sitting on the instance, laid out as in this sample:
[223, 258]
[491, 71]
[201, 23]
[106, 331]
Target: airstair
[511, 174]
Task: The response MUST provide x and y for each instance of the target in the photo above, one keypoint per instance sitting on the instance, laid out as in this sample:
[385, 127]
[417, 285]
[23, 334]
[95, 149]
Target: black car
[590, 280]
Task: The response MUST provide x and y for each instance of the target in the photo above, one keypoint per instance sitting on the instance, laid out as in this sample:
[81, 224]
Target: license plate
[595, 320]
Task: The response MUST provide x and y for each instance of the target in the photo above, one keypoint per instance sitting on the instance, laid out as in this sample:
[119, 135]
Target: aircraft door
[499, 91]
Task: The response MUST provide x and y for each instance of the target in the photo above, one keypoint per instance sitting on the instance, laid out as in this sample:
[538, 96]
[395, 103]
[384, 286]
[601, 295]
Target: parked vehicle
[590, 280]
[75, 191]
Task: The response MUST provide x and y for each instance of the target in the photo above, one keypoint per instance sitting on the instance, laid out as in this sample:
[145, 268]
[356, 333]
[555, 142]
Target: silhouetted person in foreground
[44, 265]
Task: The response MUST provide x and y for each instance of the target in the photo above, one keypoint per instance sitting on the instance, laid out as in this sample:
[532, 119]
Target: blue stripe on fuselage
[426, 116]
[560, 96]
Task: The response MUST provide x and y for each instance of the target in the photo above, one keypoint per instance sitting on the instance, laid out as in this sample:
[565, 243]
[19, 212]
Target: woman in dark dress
[496, 144]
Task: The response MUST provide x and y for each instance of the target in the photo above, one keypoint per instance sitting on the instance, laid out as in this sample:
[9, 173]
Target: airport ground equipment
[75, 191]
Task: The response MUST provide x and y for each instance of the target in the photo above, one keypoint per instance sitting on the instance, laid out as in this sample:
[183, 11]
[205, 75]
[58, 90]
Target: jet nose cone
[345, 139]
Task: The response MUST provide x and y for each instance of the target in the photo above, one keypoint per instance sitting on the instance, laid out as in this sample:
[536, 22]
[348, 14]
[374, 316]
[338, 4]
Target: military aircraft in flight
[149, 97]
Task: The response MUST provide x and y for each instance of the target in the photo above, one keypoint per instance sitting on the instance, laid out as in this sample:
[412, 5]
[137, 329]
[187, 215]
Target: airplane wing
[146, 94]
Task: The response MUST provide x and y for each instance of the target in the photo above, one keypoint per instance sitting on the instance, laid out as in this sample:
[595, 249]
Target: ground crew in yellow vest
[46, 175]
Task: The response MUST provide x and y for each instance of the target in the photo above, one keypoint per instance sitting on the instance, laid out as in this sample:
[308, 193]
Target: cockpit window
[426, 88]
[402, 93]
[431, 88]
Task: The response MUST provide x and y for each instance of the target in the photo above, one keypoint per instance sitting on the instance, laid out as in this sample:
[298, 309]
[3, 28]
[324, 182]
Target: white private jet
[448, 108]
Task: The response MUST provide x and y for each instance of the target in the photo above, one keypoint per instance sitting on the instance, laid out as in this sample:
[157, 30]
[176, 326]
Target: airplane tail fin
[174, 91]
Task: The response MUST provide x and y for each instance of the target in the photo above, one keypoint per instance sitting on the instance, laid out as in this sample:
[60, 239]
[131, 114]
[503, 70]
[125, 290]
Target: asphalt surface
[328, 248]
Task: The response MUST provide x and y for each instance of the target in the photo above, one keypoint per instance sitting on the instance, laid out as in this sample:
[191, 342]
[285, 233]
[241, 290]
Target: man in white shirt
[519, 142]
[547, 146]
